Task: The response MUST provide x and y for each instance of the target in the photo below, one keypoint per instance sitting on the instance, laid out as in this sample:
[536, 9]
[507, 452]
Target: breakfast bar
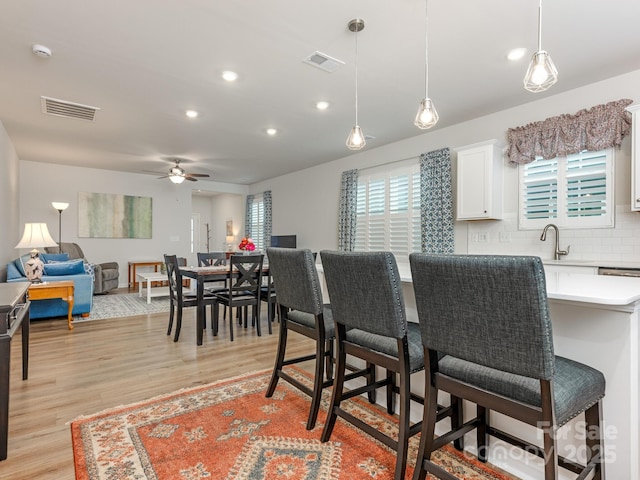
[595, 321]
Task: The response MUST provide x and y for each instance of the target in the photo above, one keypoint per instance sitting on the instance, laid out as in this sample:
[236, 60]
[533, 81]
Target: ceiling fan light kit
[177, 174]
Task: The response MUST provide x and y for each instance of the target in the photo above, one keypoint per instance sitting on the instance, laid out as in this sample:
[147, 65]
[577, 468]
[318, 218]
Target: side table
[149, 278]
[47, 290]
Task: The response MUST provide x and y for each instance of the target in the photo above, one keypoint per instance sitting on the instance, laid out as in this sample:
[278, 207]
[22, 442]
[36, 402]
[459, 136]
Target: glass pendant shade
[427, 115]
[541, 74]
[176, 178]
[355, 140]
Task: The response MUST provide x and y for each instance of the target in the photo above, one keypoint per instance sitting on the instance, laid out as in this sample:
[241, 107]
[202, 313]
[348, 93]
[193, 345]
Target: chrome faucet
[558, 253]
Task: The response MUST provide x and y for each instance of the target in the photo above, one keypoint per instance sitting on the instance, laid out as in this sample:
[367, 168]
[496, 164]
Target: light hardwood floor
[105, 363]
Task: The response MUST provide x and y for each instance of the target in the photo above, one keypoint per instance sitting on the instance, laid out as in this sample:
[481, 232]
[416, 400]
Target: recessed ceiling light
[191, 113]
[322, 105]
[271, 131]
[230, 76]
[516, 54]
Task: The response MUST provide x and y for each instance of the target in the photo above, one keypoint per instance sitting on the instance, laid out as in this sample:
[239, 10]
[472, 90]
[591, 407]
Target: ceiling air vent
[62, 108]
[323, 61]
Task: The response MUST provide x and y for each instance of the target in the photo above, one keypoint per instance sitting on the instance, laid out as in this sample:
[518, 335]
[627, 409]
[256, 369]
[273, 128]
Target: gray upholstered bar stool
[368, 310]
[300, 309]
[490, 316]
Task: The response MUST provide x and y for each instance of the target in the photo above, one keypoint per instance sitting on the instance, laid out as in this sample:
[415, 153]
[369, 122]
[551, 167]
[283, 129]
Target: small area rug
[229, 430]
[123, 305]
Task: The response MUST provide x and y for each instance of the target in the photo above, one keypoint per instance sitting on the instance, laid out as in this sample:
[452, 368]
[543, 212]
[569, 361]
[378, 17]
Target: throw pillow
[20, 263]
[54, 257]
[90, 269]
[72, 267]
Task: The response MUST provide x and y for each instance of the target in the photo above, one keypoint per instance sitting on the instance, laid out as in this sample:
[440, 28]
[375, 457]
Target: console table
[47, 290]
[14, 313]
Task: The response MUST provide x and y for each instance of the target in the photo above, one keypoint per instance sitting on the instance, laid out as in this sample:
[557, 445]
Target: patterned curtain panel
[600, 127]
[266, 196]
[247, 216]
[347, 211]
[436, 203]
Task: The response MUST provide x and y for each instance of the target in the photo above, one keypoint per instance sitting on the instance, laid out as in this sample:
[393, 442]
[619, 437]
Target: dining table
[202, 275]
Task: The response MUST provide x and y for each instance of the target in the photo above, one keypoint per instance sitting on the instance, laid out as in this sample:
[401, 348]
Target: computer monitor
[283, 241]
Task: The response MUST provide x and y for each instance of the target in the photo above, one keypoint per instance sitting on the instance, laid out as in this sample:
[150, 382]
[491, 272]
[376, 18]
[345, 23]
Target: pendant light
[542, 72]
[427, 115]
[355, 140]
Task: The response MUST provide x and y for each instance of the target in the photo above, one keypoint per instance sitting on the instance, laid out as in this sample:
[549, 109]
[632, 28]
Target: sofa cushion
[54, 257]
[72, 267]
[13, 272]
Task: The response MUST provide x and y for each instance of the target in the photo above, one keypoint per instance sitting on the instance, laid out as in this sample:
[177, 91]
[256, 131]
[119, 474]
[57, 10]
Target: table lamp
[36, 235]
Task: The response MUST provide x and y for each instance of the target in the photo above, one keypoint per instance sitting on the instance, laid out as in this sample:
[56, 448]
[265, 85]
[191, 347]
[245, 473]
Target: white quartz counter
[600, 289]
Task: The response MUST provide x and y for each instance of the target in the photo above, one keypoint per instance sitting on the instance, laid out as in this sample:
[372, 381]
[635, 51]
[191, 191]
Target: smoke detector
[41, 51]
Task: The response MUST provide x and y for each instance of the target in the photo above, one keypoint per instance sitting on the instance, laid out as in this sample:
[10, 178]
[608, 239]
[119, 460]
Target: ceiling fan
[178, 175]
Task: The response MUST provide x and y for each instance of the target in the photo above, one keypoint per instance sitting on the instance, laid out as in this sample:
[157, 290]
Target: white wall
[306, 202]
[172, 208]
[216, 211]
[9, 198]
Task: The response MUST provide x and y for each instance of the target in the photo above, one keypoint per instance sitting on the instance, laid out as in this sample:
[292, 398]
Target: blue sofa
[58, 267]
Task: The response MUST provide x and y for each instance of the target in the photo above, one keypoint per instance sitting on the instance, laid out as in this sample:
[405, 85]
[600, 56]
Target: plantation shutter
[586, 185]
[540, 190]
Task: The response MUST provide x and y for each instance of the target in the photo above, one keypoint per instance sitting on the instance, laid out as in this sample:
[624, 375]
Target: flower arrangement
[246, 244]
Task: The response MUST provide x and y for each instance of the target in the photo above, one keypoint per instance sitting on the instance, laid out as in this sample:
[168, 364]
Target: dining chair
[213, 259]
[244, 280]
[301, 310]
[490, 316]
[178, 298]
[367, 302]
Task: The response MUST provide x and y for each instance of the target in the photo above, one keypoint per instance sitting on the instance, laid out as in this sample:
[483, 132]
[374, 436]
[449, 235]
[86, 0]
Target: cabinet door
[479, 182]
[635, 157]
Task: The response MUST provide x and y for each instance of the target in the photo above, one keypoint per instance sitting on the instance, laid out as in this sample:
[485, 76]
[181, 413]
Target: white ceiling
[144, 62]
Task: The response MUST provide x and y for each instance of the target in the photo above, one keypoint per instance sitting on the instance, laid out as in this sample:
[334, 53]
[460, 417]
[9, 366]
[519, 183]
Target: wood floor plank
[105, 363]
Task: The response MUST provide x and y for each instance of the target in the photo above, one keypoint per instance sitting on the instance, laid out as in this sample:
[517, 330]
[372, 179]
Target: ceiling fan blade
[164, 176]
[190, 178]
[202, 175]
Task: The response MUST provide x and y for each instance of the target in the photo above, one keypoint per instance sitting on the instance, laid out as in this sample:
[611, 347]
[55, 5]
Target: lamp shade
[36, 235]
[60, 206]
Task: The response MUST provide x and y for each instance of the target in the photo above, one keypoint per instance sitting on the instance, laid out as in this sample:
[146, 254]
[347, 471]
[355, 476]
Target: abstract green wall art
[106, 215]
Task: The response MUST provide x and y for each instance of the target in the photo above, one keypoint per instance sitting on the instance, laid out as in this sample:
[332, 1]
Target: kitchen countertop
[600, 289]
[577, 287]
[592, 263]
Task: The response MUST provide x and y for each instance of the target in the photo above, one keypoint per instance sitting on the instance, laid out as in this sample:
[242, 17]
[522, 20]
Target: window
[388, 210]
[572, 192]
[256, 224]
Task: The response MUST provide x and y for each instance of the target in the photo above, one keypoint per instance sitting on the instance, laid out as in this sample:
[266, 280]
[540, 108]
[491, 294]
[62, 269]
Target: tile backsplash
[619, 244]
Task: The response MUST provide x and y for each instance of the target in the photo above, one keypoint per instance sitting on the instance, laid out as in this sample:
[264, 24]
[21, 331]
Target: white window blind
[257, 223]
[388, 211]
[572, 192]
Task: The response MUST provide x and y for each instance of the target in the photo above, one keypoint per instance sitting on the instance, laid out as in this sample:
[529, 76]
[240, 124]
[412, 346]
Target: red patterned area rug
[229, 430]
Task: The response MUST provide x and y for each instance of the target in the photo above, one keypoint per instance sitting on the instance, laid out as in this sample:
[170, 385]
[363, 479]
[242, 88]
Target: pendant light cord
[356, 75]
[540, 26]
[426, 50]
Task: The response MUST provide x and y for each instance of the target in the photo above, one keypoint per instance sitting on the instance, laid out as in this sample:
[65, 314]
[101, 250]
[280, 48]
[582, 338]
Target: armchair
[106, 274]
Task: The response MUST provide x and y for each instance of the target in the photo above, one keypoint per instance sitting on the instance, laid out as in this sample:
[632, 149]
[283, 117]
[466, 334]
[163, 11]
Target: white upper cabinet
[635, 157]
[480, 181]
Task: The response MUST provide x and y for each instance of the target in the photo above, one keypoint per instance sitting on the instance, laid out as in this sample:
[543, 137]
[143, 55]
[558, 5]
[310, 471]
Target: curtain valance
[597, 128]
